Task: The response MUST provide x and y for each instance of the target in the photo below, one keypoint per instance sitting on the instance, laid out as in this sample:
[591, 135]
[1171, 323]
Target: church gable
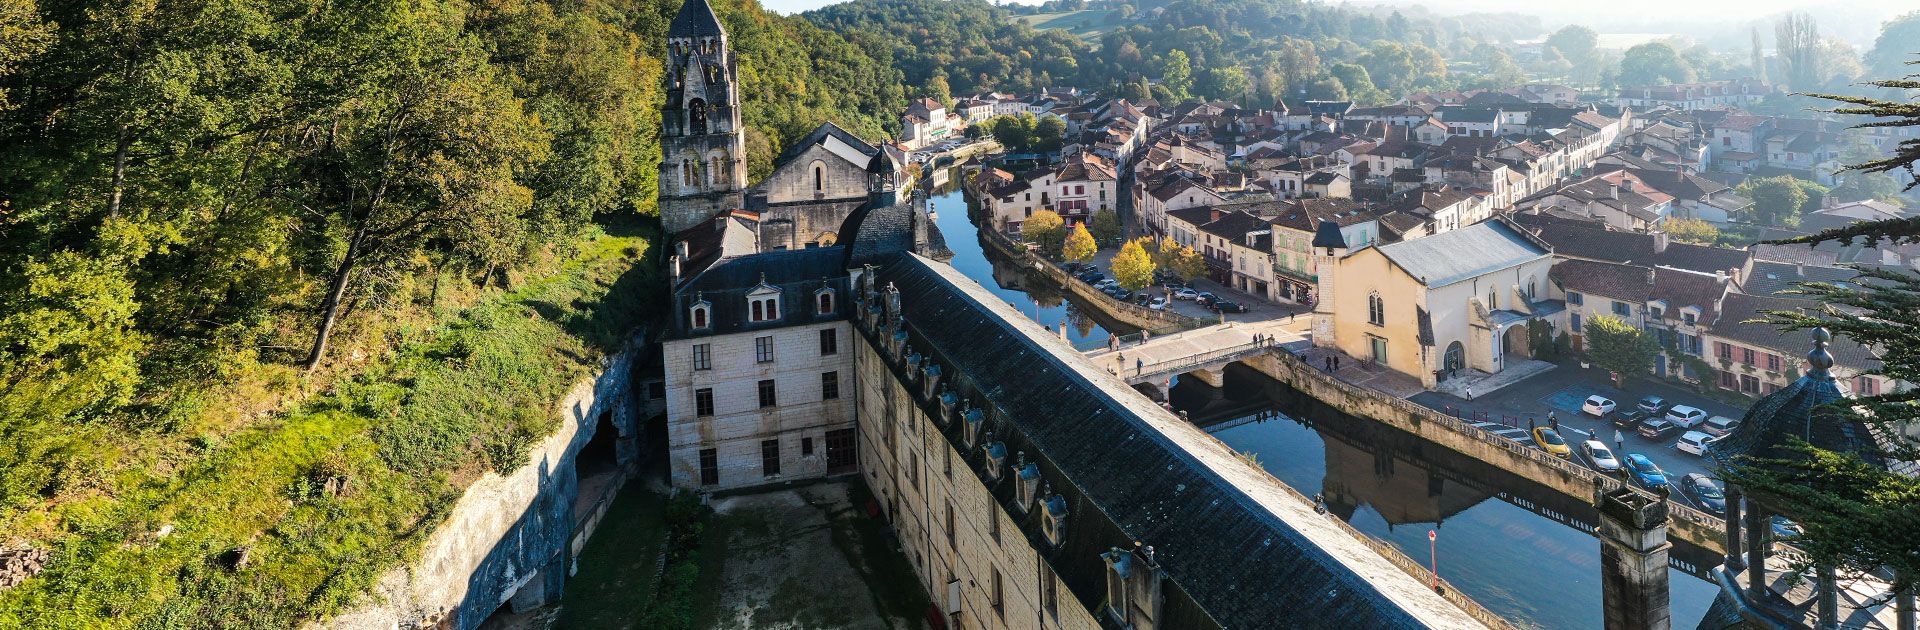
[819, 173]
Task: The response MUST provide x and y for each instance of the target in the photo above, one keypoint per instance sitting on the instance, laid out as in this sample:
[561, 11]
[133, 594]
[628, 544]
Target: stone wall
[1560, 475]
[510, 538]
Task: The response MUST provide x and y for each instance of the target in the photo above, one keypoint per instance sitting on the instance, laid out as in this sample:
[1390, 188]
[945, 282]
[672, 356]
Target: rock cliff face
[510, 539]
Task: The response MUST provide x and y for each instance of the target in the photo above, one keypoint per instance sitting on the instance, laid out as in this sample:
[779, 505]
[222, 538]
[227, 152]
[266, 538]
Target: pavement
[1562, 390]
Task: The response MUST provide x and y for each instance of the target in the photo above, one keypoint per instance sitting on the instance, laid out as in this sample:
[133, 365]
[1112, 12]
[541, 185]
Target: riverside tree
[1133, 267]
[1044, 228]
[1079, 246]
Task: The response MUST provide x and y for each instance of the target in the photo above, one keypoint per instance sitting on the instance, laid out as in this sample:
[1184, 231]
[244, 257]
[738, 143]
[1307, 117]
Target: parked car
[1223, 306]
[1205, 298]
[1642, 472]
[1705, 492]
[1107, 282]
[1142, 298]
[1185, 294]
[1092, 277]
[1077, 267]
[1601, 457]
[1653, 405]
[1630, 420]
[1719, 425]
[1784, 528]
[1685, 416]
[1550, 441]
[1597, 406]
[1158, 304]
[1694, 442]
[1657, 429]
[1122, 294]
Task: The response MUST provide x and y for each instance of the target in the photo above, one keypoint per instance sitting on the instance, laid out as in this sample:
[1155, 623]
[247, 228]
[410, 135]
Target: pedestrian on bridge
[1530, 424]
[1619, 441]
[1139, 365]
[1469, 393]
[1553, 420]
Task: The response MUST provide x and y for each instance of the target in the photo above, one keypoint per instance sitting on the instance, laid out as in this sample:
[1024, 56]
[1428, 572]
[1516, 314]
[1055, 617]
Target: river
[1032, 295]
[1528, 568]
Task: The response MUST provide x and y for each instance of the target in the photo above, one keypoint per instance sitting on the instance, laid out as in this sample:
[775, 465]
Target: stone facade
[703, 168]
[738, 429]
[959, 539]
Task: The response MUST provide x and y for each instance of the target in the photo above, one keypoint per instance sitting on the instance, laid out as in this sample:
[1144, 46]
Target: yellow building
[1433, 307]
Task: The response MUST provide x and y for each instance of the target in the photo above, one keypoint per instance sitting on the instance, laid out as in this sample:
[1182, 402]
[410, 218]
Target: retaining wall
[510, 538]
[1127, 313]
[1574, 480]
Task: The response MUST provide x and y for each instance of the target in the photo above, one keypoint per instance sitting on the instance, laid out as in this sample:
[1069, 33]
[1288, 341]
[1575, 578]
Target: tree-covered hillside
[248, 246]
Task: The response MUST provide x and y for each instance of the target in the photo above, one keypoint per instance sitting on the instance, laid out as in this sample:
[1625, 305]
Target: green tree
[1895, 46]
[1391, 66]
[1353, 76]
[1189, 264]
[1079, 246]
[1776, 200]
[429, 155]
[1654, 63]
[1106, 227]
[1044, 228]
[1048, 135]
[1176, 75]
[1225, 84]
[1858, 516]
[1574, 41]
[1797, 37]
[1693, 231]
[23, 34]
[1133, 267]
[1619, 347]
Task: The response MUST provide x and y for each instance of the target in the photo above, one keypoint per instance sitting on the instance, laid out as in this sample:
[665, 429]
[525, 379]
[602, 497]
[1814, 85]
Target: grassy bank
[294, 515]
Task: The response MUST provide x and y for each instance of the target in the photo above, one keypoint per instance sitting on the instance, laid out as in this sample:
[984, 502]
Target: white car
[1686, 417]
[1694, 442]
[1597, 406]
[1109, 282]
[1185, 294]
[1158, 304]
[1601, 457]
[1719, 425]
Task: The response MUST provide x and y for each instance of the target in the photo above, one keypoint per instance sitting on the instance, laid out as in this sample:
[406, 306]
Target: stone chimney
[1800, 269]
[673, 265]
[1659, 242]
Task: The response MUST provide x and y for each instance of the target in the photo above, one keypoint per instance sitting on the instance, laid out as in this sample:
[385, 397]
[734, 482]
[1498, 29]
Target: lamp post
[1433, 552]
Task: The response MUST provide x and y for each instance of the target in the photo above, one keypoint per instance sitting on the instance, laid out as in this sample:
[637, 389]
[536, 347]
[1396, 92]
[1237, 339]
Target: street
[1563, 389]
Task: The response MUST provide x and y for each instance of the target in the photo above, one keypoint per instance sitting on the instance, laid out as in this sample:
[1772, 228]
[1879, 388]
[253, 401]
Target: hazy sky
[1570, 9]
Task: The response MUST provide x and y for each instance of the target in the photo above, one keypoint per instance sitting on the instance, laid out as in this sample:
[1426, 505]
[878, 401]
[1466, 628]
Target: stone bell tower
[1328, 247]
[703, 168]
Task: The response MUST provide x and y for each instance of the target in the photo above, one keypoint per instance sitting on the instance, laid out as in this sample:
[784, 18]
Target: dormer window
[996, 460]
[763, 303]
[701, 315]
[1026, 484]
[1053, 519]
[823, 302]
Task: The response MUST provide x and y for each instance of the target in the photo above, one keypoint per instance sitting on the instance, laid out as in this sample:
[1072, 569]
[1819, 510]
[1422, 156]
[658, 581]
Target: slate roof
[1571, 240]
[1742, 319]
[1681, 288]
[725, 285]
[1229, 560]
[1630, 283]
[695, 19]
[1234, 226]
[1465, 253]
[835, 139]
[1772, 278]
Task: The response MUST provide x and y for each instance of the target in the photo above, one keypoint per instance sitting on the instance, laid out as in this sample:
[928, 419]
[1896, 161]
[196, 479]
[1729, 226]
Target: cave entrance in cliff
[597, 465]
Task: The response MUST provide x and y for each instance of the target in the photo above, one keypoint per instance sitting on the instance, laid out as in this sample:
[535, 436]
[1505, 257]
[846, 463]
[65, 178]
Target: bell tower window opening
[697, 117]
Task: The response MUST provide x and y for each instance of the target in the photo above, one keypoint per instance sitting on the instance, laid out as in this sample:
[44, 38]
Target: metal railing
[1203, 358]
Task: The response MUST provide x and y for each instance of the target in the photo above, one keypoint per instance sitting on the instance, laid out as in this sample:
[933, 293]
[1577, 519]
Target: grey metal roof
[1457, 255]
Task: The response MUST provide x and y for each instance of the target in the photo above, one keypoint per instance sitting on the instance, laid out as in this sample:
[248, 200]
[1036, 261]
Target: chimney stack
[1800, 269]
[1659, 242]
[673, 264]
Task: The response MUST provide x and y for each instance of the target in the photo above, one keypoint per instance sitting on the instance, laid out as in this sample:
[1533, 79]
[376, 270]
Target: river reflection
[1533, 569]
[1031, 293]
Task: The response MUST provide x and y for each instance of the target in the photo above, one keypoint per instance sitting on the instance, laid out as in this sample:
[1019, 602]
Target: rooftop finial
[1819, 360]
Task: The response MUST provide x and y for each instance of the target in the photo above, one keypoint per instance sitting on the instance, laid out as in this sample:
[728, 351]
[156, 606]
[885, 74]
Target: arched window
[697, 117]
[819, 177]
[757, 314]
[1376, 310]
[700, 317]
[824, 303]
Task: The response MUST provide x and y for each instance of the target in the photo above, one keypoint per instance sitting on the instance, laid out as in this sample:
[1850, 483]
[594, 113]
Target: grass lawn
[615, 581]
[1083, 23]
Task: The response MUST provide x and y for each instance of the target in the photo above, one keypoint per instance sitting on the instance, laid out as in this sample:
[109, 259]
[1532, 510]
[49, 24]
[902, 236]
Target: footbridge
[1202, 352]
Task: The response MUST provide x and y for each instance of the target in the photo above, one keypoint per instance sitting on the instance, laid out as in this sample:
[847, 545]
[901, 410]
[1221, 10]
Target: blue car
[1643, 473]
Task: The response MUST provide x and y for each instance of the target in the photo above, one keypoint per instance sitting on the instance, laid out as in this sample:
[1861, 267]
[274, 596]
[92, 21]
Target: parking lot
[1563, 390]
[1257, 309]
